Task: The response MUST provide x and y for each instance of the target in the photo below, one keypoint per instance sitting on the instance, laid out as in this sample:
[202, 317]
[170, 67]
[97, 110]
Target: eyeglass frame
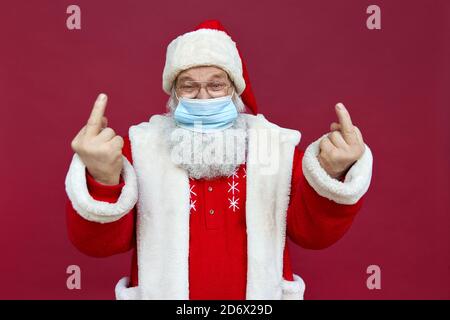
[229, 85]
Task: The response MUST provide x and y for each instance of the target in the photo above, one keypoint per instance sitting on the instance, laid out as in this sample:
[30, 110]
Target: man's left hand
[342, 147]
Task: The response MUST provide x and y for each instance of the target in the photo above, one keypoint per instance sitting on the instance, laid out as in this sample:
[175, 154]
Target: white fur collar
[163, 213]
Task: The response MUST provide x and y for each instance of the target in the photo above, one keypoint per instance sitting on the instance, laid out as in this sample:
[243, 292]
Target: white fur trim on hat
[203, 47]
[355, 185]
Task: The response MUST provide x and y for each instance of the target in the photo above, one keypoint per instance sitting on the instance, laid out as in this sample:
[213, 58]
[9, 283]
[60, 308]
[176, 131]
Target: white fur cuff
[123, 292]
[293, 290]
[95, 210]
[355, 185]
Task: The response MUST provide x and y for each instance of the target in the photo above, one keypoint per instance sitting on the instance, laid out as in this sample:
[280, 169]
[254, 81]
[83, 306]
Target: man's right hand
[99, 147]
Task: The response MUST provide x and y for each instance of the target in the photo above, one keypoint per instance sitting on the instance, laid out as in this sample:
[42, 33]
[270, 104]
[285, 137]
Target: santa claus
[207, 194]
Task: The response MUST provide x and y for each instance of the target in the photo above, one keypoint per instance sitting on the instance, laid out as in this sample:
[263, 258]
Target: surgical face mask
[205, 115]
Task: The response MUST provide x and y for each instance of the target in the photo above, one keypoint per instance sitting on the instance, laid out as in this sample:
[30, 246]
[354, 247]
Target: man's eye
[187, 87]
[217, 86]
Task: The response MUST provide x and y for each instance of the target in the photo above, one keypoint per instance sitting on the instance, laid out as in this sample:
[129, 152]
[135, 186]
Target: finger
[337, 140]
[104, 122]
[325, 145]
[359, 135]
[94, 124]
[117, 141]
[335, 126]
[106, 134]
[346, 124]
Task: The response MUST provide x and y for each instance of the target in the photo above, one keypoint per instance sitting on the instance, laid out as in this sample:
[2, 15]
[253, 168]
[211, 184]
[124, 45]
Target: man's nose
[203, 93]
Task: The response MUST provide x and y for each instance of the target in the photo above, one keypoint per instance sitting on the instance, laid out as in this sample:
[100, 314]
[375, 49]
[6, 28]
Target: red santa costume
[213, 239]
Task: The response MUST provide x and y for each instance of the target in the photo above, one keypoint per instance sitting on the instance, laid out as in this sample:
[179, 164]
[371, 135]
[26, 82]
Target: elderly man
[207, 194]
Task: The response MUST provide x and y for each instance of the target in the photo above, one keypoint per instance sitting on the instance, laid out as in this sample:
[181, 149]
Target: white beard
[209, 155]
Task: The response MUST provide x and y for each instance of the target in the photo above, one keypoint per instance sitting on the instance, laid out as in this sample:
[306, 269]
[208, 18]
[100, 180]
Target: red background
[303, 57]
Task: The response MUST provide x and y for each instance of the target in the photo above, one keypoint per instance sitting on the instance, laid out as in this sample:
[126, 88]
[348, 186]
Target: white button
[209, 188]
[211, 211]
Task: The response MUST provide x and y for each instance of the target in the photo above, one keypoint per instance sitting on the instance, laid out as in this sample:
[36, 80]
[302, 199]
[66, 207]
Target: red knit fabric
[217, 248]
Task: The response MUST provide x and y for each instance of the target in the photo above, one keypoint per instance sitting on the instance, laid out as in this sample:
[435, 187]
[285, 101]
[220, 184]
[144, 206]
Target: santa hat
[208, 45]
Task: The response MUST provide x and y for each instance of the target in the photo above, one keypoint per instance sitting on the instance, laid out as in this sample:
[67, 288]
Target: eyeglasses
[190, 89]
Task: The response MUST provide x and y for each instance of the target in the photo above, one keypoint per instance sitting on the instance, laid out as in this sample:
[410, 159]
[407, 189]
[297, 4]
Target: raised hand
[99, 147]
[342, 147]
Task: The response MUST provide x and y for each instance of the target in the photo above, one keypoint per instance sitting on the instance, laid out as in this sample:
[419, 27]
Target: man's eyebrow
[214, 76]
[218, 76]
[183, 78]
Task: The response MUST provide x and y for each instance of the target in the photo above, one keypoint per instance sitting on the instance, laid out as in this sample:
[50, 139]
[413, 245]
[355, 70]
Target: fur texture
[94, 210]
[163, 212]
[355, 185]
[208, 155]
[203, 47]
[163, 207]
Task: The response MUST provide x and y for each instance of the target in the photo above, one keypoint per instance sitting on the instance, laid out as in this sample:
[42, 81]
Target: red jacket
[217, 248]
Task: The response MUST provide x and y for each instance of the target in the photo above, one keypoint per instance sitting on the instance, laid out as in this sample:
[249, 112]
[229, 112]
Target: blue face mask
[205, 115]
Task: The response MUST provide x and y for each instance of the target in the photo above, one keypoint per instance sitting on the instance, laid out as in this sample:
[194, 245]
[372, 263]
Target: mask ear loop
[176, 96]
[232, 93]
